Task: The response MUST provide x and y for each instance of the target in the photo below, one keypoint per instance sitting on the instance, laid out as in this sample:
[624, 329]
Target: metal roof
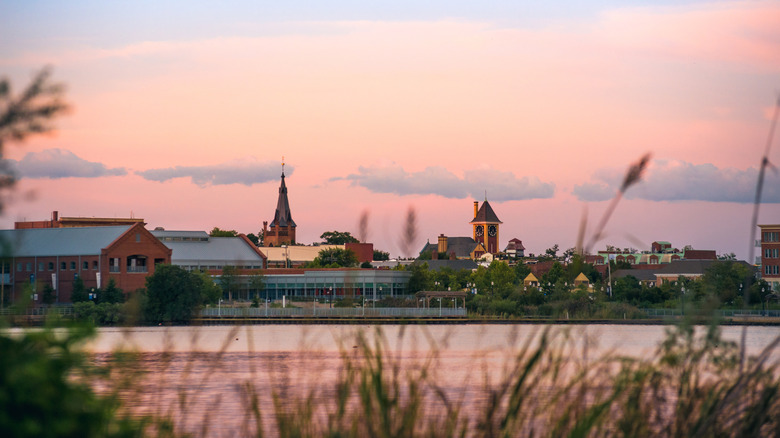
[216, 251]
[49, 242]
[175, 233]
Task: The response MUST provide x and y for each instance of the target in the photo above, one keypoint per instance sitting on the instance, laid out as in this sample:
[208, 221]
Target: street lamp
[219, 308]
[682, 296]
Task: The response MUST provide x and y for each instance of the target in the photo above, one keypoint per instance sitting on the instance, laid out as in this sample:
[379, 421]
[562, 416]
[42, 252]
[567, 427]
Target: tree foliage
[79, 293]
[46, 391]
[27, 114]
[335, 258]
[381, 255]
[338, 237]
[216, 232]
[111, 293]
[173, 295]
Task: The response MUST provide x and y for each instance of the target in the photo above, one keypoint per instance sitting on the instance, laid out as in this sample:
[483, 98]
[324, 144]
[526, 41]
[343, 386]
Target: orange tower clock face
[492, 230]
[479, 230]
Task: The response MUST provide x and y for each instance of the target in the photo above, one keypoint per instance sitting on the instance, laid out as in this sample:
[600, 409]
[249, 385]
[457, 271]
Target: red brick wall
[364, 251]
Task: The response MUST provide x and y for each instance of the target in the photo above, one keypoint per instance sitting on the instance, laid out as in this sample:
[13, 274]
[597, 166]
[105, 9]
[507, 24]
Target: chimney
[442, 243]
[55, 216]
[476, 208]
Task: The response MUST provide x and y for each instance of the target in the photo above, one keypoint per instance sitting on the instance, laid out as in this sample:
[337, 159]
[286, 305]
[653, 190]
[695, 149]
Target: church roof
[486, 215]
[282, 216]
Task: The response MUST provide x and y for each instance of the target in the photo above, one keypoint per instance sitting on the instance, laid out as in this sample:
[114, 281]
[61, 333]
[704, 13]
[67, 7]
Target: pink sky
[381, 115]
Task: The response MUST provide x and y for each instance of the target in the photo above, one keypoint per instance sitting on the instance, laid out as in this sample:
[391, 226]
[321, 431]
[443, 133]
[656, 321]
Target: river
[198, 375]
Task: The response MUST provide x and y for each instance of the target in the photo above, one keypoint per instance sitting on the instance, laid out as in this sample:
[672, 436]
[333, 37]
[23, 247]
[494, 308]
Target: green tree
[229, 281]
[210, 292]
[725, 279]
[552, 252]
[335, 258]
[111, 293]
[257, 283]
[173, 295]
[552, 276]
[48, 295]
[381, 255]
[216, 232]
[421, 278]
[257, 239]
[501, 277]
[79, 293]
[338, 238]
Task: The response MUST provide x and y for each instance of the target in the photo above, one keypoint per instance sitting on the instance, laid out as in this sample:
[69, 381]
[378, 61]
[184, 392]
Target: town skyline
[181, 116]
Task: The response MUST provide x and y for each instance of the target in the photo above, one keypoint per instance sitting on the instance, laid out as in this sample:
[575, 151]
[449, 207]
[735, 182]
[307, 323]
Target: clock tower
[485, 225]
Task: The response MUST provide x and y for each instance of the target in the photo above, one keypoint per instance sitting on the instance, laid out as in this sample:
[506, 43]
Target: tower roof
[282, 216]
[486, 215]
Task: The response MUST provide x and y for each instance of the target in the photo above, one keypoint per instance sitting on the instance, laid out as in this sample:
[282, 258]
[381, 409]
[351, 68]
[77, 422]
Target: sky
[181, 114]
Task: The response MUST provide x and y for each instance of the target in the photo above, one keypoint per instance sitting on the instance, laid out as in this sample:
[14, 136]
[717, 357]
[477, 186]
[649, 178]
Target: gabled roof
[462, 246]
[530, 277]
[219, 250]
[48, 242]
[282, 216]
[486, 215]
[581, 277]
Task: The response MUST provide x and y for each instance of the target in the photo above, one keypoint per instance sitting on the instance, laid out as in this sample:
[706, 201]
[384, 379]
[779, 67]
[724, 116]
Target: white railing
[338, 312]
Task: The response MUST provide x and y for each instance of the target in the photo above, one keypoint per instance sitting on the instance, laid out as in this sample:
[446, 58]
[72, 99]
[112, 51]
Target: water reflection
[204, 378]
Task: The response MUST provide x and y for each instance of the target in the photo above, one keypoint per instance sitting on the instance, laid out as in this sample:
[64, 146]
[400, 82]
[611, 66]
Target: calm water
[198, 375]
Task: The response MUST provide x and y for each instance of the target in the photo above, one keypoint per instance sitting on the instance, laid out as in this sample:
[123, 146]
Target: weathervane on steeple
[282, 165]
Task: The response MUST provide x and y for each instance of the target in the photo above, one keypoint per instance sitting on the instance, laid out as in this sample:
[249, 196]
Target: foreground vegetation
[695, 384]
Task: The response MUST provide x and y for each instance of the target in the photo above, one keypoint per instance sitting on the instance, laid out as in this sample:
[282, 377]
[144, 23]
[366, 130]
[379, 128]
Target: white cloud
[61, 163]
[683, 181]
[247, 172]
[500, 186]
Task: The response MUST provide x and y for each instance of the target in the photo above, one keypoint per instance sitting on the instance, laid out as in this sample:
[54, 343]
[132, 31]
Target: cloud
[61, 163]
[247, 172]
[683, 181]
[436, 180]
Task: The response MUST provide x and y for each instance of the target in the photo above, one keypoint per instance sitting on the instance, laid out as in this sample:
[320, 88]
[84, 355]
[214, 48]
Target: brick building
[770, 255]
[70, 222]
[36, 257]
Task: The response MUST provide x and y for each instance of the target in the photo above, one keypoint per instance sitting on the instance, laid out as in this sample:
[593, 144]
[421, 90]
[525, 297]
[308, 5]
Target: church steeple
[282, 228]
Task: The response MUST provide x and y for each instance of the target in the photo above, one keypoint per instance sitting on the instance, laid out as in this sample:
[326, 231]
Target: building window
[18, 267]
[51, 266]
[137, 237]
[136, 263]
[85, 265]
[767, 270]
[767, 253]
[72, 266]
[113, 265]
[40, 266]
[63, 266]
[776, 253]
[94, 265]
[28, 267]
[776, 269]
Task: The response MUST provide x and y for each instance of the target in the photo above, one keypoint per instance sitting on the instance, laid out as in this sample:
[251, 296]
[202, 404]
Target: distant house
[581, 280]
[57, 256]
[661, 253]
[530, 280]
[515, 249]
